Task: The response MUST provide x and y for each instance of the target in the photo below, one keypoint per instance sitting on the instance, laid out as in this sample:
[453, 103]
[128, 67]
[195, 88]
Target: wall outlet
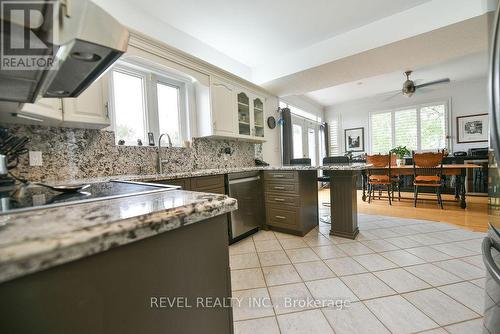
[35, 158]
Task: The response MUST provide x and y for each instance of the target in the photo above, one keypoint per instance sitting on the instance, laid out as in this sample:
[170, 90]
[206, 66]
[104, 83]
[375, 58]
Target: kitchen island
[111, 266]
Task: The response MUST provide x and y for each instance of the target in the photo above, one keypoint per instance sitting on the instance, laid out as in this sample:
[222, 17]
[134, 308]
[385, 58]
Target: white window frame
[335, 120]
[136, 73]
[151, 76]
[418, 107]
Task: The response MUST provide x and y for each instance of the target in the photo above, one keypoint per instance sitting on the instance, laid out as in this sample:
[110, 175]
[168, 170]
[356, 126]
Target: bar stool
[330, 161]
[300, 162]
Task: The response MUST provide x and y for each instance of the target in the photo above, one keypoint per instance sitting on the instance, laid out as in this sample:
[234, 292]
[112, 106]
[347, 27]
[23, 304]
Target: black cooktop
[38, 197]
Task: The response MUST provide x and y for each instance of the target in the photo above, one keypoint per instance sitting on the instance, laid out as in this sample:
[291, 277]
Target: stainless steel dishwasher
[246, 187]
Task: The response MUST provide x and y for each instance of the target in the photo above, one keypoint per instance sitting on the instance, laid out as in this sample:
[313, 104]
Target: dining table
[456, 170]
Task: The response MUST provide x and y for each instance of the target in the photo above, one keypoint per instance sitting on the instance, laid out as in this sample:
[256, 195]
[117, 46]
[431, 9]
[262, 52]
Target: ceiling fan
[409, 86]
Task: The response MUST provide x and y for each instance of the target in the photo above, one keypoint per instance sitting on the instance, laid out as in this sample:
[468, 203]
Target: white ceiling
[267, 40]
[254, 31]
[457, 70]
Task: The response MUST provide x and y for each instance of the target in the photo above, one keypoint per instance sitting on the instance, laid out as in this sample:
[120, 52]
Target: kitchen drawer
[282, 187]
[281, 199]
[285, 218]
[277, 175]
[212, 181]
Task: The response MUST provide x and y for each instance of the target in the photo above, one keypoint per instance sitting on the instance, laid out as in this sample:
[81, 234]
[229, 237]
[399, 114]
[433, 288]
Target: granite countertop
[219, 171]
[36, 240]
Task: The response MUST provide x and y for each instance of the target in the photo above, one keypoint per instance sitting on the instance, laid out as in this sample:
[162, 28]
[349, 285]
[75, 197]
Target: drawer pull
[279, 199]
[279, 188]
[280, 217]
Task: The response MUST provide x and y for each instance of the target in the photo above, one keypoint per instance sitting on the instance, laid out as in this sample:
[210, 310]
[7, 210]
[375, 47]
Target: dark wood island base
[344, 203]
[169, 283]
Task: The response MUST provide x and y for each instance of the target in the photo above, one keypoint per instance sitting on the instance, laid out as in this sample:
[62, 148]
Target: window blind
[334, 137]
[381, 132]
[421, 128]
[433, 127]
[405, 128]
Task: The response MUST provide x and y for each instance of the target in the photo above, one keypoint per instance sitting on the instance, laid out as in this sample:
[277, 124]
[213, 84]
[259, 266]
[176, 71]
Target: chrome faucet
[160, 161]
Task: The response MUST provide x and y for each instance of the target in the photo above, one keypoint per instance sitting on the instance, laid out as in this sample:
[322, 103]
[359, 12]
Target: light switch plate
[35, 158]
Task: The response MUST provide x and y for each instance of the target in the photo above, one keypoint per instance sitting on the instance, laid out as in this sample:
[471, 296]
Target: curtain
[327, 139]
[287, 136]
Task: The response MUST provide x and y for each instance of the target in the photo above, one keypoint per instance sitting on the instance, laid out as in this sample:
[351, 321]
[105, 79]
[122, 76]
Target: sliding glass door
[306, 143]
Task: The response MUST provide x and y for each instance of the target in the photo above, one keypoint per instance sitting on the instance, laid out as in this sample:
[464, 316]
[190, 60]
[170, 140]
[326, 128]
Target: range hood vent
[81, 39]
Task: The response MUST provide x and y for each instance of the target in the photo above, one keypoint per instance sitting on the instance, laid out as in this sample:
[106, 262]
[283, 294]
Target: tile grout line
[311, 246]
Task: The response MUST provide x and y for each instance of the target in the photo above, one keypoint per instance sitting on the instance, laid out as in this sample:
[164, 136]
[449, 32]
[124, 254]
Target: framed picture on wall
[354, 139]
[472, 128]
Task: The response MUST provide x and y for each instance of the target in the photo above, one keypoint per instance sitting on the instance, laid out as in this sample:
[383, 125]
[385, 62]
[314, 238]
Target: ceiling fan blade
[437, 82]
[393, 95]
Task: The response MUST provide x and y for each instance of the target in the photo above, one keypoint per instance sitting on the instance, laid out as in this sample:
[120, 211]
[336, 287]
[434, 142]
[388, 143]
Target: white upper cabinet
[244, 116]
[46, 111]
[90, 109]
[258, 117]
[223, 106]
[234, 112]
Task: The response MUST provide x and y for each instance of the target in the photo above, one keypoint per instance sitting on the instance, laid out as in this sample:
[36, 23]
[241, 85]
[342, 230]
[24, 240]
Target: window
[381, 132]
[129, 100]
[168, 111]
[146, 100]
[433, 127]
[420, 128]
[311, 142]
[297, 141]
[333, 126]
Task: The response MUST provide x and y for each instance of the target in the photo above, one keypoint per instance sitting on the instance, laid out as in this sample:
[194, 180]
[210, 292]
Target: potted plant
[400, 152]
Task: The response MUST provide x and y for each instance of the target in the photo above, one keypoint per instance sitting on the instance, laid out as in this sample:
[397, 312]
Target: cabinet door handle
[279, 199]
[106, 108]
[279, 188]
[280, 217]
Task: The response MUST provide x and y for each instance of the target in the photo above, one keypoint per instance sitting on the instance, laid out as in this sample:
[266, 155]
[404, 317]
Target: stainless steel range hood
[84, 38]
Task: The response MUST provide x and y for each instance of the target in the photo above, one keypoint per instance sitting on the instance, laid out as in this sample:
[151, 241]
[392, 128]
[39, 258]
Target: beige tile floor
[399, 276]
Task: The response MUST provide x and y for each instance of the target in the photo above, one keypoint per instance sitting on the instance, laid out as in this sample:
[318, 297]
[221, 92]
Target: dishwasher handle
[488, 260]
[243, 180]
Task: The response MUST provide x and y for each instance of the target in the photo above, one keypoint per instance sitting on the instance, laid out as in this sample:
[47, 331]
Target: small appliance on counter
[259, 163]
[460, 154]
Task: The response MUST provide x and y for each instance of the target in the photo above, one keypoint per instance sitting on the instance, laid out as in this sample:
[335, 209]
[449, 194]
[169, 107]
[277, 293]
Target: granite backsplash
[85, 153]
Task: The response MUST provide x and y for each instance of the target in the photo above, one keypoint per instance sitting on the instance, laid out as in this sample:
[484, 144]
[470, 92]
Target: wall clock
[271, 122]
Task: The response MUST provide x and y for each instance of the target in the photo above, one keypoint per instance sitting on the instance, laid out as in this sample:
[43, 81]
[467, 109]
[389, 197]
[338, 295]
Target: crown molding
[151, 45]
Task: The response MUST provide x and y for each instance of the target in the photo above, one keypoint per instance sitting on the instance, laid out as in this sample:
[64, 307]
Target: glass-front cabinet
[258, 118]
[244, 114]
[250, 115]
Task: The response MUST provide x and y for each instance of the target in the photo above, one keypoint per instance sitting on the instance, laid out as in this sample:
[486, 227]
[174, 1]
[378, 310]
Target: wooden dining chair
[379, 175]
[396, 177]
[428, 172]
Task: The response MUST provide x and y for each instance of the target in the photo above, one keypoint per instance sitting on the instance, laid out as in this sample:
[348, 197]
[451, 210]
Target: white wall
[466, 98]
[271, 149]
[305, 104]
